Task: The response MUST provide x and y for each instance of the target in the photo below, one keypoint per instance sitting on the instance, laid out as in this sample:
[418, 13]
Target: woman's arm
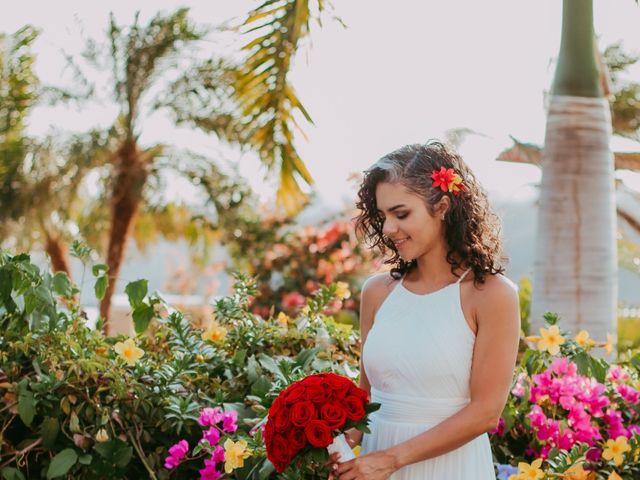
[496, 347]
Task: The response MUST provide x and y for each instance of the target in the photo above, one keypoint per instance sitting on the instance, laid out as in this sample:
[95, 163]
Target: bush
[78, 404]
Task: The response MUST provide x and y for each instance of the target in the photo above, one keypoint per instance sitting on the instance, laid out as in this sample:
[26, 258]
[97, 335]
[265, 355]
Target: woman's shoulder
[378, 286]
[495, 290]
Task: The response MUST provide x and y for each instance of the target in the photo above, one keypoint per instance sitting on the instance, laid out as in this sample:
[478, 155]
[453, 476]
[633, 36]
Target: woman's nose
[389, 228]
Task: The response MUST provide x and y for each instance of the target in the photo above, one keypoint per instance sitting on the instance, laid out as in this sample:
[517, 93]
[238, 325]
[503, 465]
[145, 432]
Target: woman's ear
[442, 207]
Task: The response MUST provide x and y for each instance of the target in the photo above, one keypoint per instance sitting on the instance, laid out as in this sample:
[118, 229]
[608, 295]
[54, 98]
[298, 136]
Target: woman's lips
[400, 242]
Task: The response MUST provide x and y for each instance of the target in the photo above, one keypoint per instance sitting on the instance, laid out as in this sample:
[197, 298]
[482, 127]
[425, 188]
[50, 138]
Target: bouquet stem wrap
[342, 448]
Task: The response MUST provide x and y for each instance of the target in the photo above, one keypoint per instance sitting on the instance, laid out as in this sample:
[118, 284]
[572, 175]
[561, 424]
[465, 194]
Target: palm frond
[268, 102]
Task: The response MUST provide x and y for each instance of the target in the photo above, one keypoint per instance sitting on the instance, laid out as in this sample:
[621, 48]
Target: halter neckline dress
[417, 357]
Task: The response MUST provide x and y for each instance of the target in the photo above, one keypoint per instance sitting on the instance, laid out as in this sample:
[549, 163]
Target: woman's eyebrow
[395, 207]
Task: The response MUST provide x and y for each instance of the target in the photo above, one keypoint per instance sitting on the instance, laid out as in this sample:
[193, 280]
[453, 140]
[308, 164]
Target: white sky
[402, 72]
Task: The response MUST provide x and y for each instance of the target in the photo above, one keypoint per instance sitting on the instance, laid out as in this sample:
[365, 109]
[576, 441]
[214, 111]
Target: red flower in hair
[448, 180]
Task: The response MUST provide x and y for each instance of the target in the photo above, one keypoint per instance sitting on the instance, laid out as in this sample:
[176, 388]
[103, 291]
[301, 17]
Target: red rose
[282, 420]
[316, 394]
[341, 389]
[333, 414]
[297, 440]
[360, 393]
[354, 407]
[279, 453]
[301, 413]
[318, 433]
[294, 395]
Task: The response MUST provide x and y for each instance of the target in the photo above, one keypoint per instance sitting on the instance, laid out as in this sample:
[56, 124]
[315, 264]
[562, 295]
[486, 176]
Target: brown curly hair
[472, 229]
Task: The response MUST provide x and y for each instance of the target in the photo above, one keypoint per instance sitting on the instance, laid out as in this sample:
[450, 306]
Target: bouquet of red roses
[305, 417]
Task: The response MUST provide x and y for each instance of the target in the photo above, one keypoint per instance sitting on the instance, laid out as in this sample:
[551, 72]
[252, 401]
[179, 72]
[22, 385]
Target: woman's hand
[353, 436]
[372, 466]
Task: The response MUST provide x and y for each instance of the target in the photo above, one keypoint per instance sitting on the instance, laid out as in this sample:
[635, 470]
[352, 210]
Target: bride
[439, 331]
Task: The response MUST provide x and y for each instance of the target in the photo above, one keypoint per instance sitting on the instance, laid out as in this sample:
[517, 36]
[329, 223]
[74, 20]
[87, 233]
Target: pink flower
[594, 454]
[562, 366]
[617, 374]
[292, 300]
[212, 436]
[209, 472]
[176, 453]
[229, 420]
[499, 430]
[218, 454]
[629, 394]
[210, 416]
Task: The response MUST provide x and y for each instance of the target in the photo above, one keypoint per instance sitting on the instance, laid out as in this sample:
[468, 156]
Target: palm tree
[252, 103]
[575, 263]
[625, 123]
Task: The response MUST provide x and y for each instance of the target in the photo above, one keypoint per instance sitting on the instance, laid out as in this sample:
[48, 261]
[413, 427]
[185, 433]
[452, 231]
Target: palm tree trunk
[575, 271]
[129, 181]
[575, 266]
[57, 251]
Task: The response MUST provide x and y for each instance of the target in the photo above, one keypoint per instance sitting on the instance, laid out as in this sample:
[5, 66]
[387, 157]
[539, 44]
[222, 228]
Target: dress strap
[463, 275]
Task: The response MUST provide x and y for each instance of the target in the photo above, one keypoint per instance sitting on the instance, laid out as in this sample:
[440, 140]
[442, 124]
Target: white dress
[417, 357]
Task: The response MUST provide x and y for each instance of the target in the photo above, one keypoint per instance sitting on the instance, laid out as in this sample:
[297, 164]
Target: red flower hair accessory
[448, 180]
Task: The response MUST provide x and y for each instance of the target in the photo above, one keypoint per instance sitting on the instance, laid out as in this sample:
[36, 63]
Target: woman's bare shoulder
[496, 291]
[377, 287]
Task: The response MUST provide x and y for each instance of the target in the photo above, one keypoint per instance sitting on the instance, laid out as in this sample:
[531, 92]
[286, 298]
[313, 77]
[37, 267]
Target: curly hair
[472, 229]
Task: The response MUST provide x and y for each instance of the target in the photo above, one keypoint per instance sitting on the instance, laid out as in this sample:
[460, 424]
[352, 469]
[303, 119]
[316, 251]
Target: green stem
[143, 459]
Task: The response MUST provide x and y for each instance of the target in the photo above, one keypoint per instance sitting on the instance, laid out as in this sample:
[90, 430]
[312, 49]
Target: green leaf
[142, 315]
[61, 284]
[261, 387]
[115, 452]
[26, 407]
[85, 459]
[136, 291]
[270, 364]
[98, 269]
[239, 357]
[49, 431]
[61, 463]
[305, 357]
[10, 473]
[582, 361]
[101, 287]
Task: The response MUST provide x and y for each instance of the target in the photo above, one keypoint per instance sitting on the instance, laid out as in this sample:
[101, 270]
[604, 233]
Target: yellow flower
[283, 319]
[356, 450]
[102, 436]
[583, 339]
[234, 454]
[577, 472]
[614, 476]
[530, 472]
[608, 346]
[306, 311]
[551, 340]
[532, 338]
[214, 333]
[342, 290]
[128, 351]
[615, 449]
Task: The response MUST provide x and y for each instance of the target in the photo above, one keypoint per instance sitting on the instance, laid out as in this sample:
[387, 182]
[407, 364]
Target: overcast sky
[401, 72]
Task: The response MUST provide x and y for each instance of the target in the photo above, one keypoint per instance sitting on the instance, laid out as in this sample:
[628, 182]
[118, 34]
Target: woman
[440, 331]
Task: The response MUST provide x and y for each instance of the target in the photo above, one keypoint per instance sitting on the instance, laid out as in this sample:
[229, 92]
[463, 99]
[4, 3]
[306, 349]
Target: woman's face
[407, 222]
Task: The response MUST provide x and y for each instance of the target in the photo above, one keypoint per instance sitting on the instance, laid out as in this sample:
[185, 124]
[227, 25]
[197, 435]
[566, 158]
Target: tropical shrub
[78, 404]
[570, 413]
[292, 262]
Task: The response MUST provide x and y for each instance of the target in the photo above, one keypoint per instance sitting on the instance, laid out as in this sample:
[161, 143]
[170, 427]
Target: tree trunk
[129, 181]
[57, 251]
[575, 269]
